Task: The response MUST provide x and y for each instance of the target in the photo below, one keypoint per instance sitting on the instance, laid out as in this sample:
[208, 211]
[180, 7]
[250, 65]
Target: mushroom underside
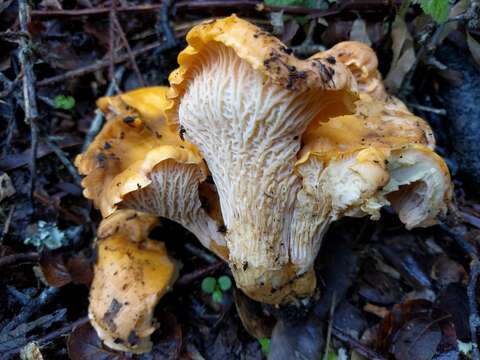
[248, 129]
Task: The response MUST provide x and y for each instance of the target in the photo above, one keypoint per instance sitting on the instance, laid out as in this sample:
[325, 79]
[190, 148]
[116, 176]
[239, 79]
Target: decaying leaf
[59, 270]
[359, 32]
[403, 55]
[474, 47]
[84, 344]
[417, 330]
[31, 352]
[6, 186]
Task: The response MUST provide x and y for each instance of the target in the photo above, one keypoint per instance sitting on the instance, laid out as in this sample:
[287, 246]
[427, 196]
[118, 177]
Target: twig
[97, 122]
[98, 65]
[62, 331]
[63, 158]
[198, 274]
[6, 225]
[19, 258]
[43, 340]
[188, 6]
[124, 39]
[201, 253]
[470, 219]
[428, 109]
[111, 41]
[330, 326]
[163, 26]
[29, 98]
[356, 345]
[31, 307]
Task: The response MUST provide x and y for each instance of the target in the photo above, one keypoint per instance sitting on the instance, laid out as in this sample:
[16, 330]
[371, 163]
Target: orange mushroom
[138, 162]
[362, 61]
[132, 273]
[291, 145]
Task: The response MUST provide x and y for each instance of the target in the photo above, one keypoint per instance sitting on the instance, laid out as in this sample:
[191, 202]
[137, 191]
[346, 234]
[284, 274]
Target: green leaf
[209, 284]
[217, 296]
[437, 9]
[265, 344]
[331, 356]
[64, 102]
[301, 3]
[224, 282]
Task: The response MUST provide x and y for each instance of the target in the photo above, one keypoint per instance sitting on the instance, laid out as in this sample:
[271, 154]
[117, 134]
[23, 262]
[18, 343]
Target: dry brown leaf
[457, 9]
[403, 55]
[359, 32]
[31, 352]
[474, 47]
[6, 186]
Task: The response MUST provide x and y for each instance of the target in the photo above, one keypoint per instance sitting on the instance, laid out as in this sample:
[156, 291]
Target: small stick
[43, 340]
[98, 65]
[62, 331]
[111, 41]
[124, 39]
[19, 258]
[6, 225]
[198, 274]
[201, 253]
[97, 122]
[428, 109]
[330, 326]
[356, 345]
[45, 297]
[64, 159]
[29, 96]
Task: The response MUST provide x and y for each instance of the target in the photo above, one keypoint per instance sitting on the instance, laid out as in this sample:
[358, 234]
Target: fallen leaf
[446, 271]
[255, 322]
[169, 346]
[84, 344]
[359, 32]
[474, 47]
[299, 339]
[31, 352]
[416, 329]
[403, 55]
[6, 186]
[60, 269]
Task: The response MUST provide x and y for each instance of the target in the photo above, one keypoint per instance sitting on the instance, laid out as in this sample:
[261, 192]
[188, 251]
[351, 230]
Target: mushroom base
[274, 287]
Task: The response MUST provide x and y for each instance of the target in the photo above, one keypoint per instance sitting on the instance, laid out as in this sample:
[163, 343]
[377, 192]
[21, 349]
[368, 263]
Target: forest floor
[384, 292]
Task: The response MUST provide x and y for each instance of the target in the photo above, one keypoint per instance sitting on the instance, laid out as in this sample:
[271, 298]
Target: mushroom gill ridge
[248, 128]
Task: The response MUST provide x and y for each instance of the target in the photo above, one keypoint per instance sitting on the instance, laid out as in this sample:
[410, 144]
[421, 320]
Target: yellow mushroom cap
[244, 101]
[380, 155]
[134, 140]
[132, 273]
[362, 61]
[137, 161]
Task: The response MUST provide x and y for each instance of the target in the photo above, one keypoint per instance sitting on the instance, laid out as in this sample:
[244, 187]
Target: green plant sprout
[265, 344]
[216, 287]
[64, 102]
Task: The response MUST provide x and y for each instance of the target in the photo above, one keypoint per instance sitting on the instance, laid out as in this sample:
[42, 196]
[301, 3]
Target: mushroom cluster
[255, 152]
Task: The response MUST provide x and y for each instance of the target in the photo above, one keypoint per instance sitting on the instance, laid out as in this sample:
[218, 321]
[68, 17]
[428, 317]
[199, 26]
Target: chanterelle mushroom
[362, 61]
[249, 106]
[132, 273]
[291, 146]
[138, 162]
[245, 102]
